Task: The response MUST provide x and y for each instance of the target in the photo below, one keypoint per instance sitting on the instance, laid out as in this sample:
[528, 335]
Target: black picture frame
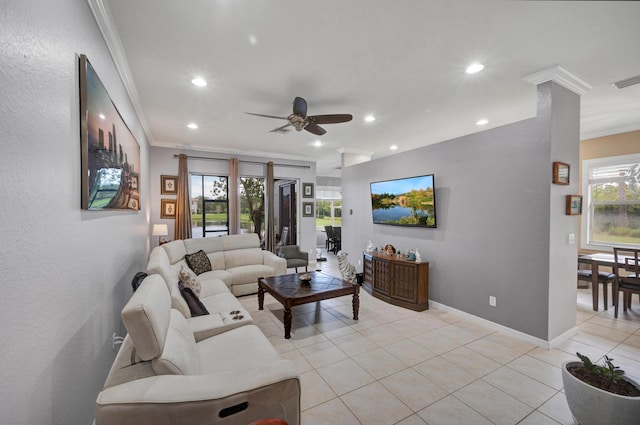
[307, 190]
[307, 209]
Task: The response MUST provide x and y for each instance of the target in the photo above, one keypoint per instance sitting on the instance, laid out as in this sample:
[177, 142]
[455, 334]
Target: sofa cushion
[198, 262]
[189, 278]
[178, 302]
[243, 257]
[175, 250]
[146, 316]
[250, 274]
[245, 240]
[195, 305]
[251, 348]
[217, 276]
[180, 354]
[208, 245]
[217, 260]
[159, 264]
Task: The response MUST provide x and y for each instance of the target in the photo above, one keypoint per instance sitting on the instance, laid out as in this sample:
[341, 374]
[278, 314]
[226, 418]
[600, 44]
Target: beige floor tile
[355, 344]
[301, 363]
[521, 387]
[451, 411]
[305, 336]
[322, 353]
[412, 420]
[413, 389]
[314, 390]
[537, 418]
[497, 406]
[375, 405]
[435, 342]
[331, 412]
[553, 357]
[494, 350]
[471, 361]
[409, 352]
[345, 376]
[557, 409]
[445, 374]
[334, 328]
[380, 363]
[538, 370]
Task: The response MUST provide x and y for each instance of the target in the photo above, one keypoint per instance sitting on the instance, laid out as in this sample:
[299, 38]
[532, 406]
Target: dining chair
[330, 238]
[604, 279]
[337, 239]
[627, 260]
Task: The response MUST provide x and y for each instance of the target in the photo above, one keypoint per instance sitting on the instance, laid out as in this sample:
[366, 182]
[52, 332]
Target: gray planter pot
[593, 406]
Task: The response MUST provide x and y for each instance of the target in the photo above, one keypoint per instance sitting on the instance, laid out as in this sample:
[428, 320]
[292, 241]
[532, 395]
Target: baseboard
[516, 334]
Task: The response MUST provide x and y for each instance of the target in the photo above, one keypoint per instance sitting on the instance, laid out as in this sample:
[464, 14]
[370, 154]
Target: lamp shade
[160, 230]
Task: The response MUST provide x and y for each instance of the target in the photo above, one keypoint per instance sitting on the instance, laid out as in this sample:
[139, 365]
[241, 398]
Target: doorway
[286, 214]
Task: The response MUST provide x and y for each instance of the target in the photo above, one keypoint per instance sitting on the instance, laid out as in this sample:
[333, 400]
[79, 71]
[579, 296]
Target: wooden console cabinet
[397, 281]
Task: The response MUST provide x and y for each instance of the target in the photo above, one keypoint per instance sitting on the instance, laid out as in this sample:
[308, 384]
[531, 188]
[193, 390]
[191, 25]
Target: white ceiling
[403, 61]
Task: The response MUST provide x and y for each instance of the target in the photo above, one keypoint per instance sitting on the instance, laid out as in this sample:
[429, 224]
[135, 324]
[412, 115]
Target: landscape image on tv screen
[404, 202]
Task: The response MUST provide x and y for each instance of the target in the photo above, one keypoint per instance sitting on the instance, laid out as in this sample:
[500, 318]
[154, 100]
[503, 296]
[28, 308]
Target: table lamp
[160, 230]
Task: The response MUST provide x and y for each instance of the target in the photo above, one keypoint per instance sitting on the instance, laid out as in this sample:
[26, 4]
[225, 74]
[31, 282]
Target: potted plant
[600, 394]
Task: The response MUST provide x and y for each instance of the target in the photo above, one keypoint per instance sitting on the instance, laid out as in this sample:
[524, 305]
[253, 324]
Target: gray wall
[494, 218]
[66, 272]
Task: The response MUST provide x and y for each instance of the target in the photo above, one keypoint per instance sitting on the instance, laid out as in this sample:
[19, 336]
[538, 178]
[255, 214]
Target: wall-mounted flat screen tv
[408, 201]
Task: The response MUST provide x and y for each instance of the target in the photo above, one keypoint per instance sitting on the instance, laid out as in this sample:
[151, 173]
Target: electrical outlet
[492, 301]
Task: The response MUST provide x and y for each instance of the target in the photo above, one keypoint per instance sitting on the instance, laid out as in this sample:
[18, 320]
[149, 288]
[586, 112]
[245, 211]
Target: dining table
[595, 261]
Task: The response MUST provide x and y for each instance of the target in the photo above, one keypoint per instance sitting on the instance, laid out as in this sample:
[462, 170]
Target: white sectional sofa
[236, 260]
[164, 375]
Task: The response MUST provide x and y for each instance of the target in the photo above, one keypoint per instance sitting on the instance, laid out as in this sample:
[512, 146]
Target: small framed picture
[134, 203]
[307, 209]
[134, 182]
[168, 185]
[307, 190]
[560, 173]
[167, 208]
[574, 204]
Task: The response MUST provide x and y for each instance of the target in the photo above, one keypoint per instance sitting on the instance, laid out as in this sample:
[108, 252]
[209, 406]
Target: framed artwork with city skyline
[110, 155]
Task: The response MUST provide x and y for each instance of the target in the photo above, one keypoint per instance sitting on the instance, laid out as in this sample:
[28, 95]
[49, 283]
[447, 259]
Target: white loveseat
[237, 260]
[162, 375]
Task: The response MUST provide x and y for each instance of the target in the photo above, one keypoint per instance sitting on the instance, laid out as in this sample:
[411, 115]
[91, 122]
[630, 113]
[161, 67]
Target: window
[209, 206]
[612, 194]
[252, 205]
[328, 206]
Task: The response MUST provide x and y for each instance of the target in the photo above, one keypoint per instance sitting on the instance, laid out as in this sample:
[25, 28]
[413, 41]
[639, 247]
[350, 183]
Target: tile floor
[397, 366]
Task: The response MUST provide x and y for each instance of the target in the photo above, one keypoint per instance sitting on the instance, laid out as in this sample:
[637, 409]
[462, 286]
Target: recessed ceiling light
[369, 118]
[102, 117]
[317, 143]
[200, 82]
[393, 147]
[482, 122]
[474, 67]
[192, 125]
[253, 40]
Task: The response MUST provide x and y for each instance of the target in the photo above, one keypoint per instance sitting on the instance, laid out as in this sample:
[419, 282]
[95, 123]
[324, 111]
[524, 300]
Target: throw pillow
[189, 278]
[198, 262]
[195, 305]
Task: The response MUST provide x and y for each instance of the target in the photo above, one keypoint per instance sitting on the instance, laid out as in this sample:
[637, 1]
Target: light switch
[572, 238]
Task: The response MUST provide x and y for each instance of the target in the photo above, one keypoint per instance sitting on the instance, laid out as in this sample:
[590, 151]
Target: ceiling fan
[301, 121]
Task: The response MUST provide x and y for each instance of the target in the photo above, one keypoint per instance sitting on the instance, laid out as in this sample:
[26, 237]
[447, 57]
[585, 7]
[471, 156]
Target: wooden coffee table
[289, 290]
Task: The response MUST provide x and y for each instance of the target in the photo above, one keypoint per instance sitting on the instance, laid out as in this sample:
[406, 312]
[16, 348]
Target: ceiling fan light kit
[301, 121]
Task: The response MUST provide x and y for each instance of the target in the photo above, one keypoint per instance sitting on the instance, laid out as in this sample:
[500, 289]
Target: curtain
[270, 234]
[234, 213]
[182, 228]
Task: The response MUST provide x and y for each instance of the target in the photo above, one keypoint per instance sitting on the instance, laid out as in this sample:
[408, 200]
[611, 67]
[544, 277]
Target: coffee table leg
[260, 298]
[287, 323]
[356, 305]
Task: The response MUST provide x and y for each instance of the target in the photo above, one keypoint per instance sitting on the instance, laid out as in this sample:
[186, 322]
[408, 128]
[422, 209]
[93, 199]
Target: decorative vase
[593, 406]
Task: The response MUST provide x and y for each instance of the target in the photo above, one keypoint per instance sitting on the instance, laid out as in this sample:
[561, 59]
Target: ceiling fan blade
[300, 107]
[281, 129]
[330, 119]
[266, 116]
[315, 129]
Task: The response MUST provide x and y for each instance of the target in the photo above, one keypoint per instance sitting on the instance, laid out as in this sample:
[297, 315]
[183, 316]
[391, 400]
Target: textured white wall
[65, 271]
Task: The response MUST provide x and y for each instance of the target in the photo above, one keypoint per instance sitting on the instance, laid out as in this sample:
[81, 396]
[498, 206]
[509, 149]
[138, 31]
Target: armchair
[294, 256]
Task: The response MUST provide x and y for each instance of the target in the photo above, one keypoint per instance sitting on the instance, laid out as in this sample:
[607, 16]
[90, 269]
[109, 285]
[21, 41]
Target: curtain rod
[242, 160]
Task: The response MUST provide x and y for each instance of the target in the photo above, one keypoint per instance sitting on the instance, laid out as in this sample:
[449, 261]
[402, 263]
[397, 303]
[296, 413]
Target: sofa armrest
[279, 264]
[186, 388]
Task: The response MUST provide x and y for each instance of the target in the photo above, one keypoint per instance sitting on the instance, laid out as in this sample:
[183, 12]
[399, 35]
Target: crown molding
[103, 18]
[561, 76]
